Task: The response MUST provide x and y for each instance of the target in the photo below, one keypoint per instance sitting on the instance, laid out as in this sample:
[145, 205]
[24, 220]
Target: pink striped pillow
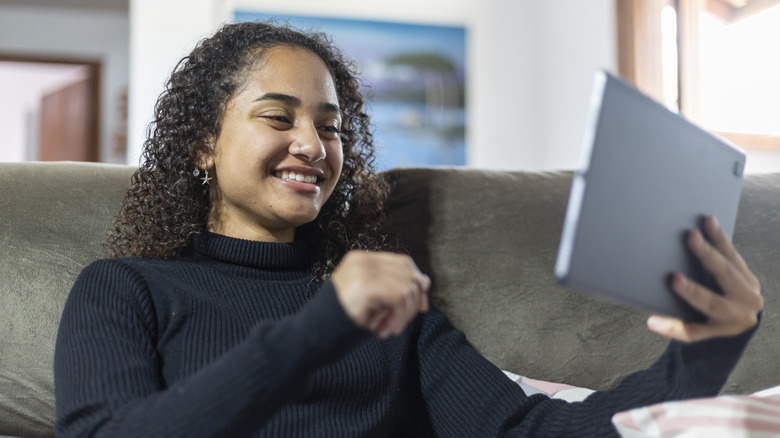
[552, 389]
[753, 416]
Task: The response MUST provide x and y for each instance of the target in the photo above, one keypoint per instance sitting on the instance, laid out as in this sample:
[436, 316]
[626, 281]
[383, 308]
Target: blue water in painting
[402, 146]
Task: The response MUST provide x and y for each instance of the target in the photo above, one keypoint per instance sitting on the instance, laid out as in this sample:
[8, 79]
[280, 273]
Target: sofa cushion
[54, 220]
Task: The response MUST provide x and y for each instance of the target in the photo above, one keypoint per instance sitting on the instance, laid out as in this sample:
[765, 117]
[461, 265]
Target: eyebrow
[294, 101]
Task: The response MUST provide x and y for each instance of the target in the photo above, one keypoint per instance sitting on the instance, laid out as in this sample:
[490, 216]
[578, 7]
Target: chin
[299, 215]
[303, 219]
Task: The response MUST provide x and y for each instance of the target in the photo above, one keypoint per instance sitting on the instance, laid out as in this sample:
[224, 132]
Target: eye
[333, 129]
[277, 118]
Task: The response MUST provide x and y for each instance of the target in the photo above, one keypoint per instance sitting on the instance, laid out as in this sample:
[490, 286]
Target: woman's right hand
[381, 291]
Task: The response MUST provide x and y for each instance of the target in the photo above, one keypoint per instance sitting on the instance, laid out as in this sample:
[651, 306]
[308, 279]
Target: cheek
[337, 157]
[233, 174]
[336, 163]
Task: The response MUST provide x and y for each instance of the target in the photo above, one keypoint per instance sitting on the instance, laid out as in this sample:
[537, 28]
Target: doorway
[50, 110]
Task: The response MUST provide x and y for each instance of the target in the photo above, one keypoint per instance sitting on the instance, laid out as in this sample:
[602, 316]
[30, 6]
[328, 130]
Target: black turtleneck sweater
[235, 338]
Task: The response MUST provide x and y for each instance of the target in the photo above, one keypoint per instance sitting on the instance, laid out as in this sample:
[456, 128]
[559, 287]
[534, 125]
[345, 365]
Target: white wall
[530, 64]
[536, 61]
[762, 160]
[70, 33]
[161, 33]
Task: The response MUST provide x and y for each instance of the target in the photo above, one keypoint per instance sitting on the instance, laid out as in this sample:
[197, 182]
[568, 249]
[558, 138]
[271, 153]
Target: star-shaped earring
[205, 178]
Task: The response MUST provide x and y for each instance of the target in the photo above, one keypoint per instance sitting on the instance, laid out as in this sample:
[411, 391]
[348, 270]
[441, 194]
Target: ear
[206, 154]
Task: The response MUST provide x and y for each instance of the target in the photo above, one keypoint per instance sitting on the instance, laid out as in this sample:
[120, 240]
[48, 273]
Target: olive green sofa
[488, 239]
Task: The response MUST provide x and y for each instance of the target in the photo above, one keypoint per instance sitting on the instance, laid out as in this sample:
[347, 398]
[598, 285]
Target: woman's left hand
[732, 313]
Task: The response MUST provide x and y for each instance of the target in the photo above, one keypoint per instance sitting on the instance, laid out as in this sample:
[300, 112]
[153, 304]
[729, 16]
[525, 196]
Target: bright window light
[740, 73]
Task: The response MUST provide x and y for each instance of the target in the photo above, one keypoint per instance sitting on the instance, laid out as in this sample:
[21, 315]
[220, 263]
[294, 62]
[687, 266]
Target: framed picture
[414, 81]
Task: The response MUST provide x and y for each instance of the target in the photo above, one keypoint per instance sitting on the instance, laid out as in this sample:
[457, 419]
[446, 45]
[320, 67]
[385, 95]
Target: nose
[307, 144]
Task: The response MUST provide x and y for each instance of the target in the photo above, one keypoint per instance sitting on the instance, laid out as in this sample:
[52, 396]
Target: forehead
[284, 68]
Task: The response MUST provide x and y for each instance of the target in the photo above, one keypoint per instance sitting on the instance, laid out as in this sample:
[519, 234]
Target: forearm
[122, 391]
[468, 396]
[683, 371]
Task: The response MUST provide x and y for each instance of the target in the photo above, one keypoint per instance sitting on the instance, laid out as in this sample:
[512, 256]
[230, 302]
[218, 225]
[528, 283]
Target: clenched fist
[381, 291]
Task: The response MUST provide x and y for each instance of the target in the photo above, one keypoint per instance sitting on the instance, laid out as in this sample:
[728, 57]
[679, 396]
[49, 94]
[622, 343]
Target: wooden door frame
[95, 71]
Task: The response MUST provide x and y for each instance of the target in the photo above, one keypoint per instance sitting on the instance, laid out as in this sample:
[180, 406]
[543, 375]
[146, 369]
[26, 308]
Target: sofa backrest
[487, 238]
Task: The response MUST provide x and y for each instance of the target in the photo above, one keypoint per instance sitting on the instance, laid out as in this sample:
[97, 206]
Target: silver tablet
[647, 177]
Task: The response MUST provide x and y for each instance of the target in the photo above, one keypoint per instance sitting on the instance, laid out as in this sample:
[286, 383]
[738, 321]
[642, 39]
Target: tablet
[647, 176]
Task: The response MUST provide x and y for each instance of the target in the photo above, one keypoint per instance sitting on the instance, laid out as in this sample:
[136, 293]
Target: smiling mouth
[292, 176]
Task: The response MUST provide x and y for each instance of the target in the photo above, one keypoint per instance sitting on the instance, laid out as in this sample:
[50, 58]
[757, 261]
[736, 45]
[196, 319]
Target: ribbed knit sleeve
[467, 396]
[236, 338]
[108, 371]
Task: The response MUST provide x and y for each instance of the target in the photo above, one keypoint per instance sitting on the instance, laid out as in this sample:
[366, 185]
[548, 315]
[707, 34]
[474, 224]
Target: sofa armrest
[55, 217]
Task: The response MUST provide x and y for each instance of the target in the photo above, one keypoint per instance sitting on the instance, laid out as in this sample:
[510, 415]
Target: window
[715, 61]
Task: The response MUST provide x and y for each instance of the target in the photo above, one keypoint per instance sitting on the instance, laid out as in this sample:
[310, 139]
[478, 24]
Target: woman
[250, 295]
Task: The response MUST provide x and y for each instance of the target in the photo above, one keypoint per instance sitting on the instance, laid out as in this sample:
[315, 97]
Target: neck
[255, 233]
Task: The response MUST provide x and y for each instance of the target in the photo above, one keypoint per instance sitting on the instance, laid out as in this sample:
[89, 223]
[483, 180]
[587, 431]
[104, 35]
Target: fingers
[732, 313]
[402, 289]
[710, 304]
[685, 332]
[725, 316]
[381, 292]
[726, 265]
[729, 276]
[723, 245]
[423, 284]
[398, 309]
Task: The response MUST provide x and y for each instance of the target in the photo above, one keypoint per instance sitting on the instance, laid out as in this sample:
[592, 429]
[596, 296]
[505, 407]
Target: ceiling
[102, 5]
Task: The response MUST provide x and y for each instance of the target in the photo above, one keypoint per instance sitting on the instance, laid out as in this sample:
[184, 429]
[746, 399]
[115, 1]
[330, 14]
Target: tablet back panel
[647, 177]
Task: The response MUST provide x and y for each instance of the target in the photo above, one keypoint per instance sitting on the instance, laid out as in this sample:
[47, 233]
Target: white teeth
[292, 176]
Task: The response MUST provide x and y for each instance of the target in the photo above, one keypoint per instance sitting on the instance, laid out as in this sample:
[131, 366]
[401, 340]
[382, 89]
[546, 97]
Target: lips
[293, 176]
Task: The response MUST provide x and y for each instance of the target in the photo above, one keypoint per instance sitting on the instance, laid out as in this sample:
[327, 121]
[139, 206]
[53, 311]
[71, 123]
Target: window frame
[639, 53]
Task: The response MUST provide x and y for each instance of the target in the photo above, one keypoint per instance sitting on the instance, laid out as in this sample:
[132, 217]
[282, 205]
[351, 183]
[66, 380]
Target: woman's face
[279, 155]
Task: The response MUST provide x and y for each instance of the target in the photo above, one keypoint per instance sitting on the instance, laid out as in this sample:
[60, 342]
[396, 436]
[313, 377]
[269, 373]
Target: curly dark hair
[167, 203]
